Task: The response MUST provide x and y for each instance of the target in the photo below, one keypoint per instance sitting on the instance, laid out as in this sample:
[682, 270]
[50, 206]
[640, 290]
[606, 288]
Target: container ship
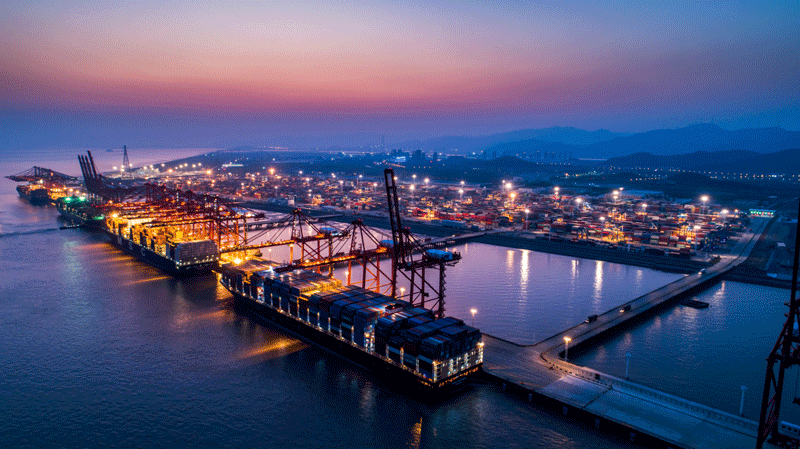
[77, 210]
[164, 247]
[388, 336]
[35, 193]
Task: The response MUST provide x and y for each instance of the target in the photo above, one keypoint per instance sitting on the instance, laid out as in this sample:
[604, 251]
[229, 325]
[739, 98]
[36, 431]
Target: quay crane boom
[412, 259]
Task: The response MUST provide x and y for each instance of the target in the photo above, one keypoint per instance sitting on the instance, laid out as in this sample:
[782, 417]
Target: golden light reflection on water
[146, 280]
[598, 282]
[524, 269]
[416, 435]
[279, 347]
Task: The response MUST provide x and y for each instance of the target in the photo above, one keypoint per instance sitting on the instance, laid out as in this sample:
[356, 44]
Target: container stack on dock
[434, 352]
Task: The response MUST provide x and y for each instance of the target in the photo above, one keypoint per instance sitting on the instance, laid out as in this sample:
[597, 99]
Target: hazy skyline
[219, 73]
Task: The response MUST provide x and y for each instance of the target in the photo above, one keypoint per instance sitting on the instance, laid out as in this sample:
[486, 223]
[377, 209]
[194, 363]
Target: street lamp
[358, 184]
[412, 191]
[513, 195]
[704, 199]
[696, 228]
[527, 211]
[460, 194]
[426, 182]
[566, 348]
[627, 363]
[473, 312]
[508, 186]
[724, 215]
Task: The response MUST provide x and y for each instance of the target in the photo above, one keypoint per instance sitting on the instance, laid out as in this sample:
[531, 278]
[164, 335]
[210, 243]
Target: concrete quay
[642, 414]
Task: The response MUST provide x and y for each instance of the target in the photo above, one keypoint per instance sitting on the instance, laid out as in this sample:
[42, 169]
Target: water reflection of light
[416, 435]
[524, 269]
[575, 264]
[598, 281]
[366, 402]
[510, 260]
[145, 280]
[279, 347]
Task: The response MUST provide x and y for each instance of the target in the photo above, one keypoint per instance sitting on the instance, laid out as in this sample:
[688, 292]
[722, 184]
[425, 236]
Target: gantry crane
[785, 354]
[411, 259]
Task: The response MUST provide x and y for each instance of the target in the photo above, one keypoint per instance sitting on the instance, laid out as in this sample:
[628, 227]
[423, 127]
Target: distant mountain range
[559, 135]
[736, 161]
[603, 144]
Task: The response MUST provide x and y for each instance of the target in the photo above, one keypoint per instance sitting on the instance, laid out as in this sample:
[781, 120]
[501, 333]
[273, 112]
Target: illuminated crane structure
[238, 234]
[784, 355]
[45, 175]
[412, 260]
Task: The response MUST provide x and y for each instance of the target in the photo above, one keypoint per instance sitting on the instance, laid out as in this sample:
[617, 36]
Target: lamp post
[473, 312]
[696, 228]
[512, 196]
[602, 226]
[358, 181]
[460, 194]
[527, 211]
[704, 199]
[427, 180]
[627, 363]
[741, 402]
[412, 191]
[724, 213]
[566, 348]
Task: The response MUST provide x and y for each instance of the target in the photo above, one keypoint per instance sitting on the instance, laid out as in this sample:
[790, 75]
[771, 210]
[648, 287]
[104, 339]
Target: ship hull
[34, 196]
[393, 374]
[89, 222]
[157, 260]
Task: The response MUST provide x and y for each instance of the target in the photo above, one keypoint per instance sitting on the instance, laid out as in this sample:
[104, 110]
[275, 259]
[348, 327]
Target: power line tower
[784, 355]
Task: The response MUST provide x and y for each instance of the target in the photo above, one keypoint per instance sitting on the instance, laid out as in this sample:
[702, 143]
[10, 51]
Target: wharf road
[674, 421]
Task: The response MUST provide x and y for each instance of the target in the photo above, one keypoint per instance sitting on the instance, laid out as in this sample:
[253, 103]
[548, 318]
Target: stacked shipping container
[386, 328]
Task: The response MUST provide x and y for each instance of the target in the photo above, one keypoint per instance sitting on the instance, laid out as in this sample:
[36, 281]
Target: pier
[612, 403]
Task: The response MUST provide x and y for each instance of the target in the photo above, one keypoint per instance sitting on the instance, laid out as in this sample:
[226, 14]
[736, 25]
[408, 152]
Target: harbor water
[100, 349]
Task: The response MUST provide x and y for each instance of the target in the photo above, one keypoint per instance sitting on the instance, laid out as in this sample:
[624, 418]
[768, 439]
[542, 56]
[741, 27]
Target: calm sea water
[706, 355]
[101, 350]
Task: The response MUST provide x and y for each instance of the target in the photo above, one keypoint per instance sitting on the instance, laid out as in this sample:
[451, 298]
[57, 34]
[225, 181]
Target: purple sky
[227, 73]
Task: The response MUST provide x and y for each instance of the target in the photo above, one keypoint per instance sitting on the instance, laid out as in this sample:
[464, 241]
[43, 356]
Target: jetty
[642, 415]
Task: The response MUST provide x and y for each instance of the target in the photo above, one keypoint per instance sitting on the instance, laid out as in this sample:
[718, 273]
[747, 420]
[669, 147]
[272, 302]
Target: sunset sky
[261, 72]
